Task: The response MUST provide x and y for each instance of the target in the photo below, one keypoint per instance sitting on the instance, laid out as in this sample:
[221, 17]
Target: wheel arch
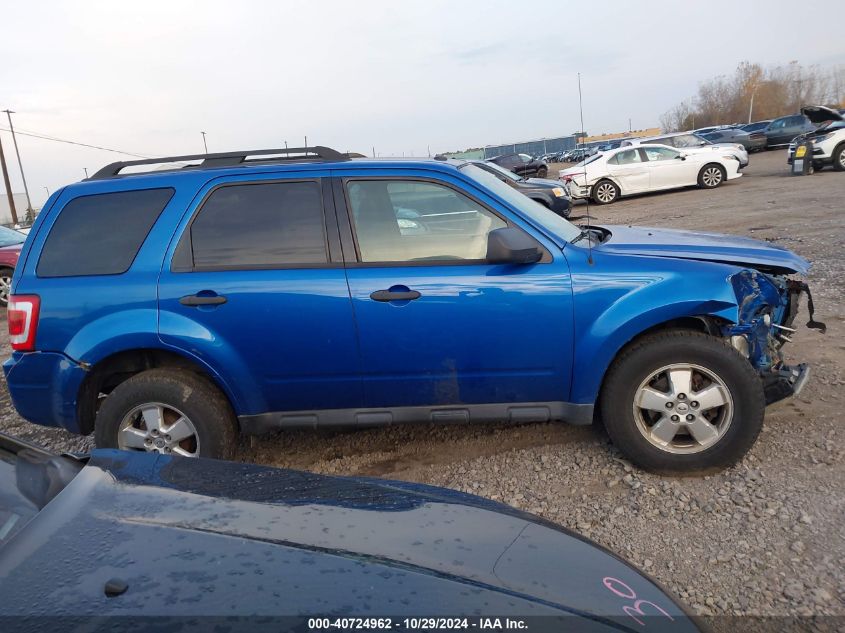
[595, 355]
[110, 371]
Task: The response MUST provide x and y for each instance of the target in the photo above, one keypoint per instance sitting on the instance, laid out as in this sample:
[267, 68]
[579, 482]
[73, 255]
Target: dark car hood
[207, 537]
[540, 183]
[819, 114]
[702, 246]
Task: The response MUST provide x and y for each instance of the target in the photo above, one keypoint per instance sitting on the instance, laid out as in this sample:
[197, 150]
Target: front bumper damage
[767, 306]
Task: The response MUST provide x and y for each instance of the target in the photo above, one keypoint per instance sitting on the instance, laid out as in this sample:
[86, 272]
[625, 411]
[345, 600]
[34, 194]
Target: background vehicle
[549, 193]
[781, 131]
[11, 242]
[293, 543]
[629, 170]
[688, 140]
[258, 290]
[828, 138]
[522, 164]
[735, 135]
[756, 126]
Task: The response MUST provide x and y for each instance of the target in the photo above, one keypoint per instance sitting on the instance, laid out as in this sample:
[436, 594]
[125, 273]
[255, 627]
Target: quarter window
[100, 234]
[412, 221]
[626, 158]
[260, 225]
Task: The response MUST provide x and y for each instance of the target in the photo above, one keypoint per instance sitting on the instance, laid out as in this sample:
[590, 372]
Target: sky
[403, 77]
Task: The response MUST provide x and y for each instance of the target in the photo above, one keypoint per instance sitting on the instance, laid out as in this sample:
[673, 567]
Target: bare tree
[759, 93]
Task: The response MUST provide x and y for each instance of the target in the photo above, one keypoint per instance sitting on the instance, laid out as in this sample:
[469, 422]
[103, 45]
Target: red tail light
[22, 316]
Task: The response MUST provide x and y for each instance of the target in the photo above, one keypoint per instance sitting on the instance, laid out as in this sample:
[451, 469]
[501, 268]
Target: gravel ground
[766, 537]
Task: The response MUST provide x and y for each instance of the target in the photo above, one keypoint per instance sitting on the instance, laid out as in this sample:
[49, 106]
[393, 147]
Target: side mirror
[512, 246]
[681, 156]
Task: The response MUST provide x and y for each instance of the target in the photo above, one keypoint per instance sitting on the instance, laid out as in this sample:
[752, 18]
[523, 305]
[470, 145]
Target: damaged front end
[767, 305]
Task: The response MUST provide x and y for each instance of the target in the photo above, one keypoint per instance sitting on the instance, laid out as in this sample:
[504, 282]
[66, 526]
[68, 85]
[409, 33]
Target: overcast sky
[147, 77]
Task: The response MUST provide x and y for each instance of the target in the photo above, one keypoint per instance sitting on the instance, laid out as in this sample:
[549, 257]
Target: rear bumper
[44, 387]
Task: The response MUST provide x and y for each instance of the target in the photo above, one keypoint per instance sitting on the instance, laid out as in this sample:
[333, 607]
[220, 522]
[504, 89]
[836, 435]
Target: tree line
[757, 93]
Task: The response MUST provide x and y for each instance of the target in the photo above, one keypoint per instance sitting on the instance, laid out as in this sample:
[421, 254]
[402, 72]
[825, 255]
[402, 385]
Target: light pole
[9, 114]
[85, 169]
[48, 191]
[751, 105]
[204, 144]
[8, 185]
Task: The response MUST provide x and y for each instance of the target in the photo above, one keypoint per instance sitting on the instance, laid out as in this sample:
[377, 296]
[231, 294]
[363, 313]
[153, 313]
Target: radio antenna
[584, 165]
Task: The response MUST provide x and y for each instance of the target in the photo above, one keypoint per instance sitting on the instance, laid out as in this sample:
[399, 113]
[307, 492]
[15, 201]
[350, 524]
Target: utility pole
[85, 169]
[630, 127]
[204, 144]
[9, 114]
[306, 141]
[48, 191]
[8, 184]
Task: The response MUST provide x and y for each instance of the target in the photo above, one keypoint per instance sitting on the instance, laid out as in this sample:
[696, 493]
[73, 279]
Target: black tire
[649, 354]
[542, 172]
[838, 157]
[605, 192]
[5, 285]
[706, 178]
[202, 402]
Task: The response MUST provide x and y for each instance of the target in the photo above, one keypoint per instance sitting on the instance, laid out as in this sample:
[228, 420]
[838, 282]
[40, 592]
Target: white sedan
[605, 177]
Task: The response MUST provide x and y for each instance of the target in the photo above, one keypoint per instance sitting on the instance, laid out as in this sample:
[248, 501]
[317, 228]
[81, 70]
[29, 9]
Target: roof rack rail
[229, 159]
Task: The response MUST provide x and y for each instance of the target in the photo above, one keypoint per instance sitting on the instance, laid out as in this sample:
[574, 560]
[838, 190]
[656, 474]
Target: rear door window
[100, 234]
[260, 225]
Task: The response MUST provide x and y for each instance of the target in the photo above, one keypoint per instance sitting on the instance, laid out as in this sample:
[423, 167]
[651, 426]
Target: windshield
[507, 173]
[8, 237]
[534, 211]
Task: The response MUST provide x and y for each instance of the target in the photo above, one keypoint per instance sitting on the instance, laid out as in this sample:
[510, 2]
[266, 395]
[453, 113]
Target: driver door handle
[387, 295]
[202, 300]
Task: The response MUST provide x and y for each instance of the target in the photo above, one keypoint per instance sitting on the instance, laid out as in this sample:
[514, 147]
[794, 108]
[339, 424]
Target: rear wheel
[711, 176]
[605, 192]
[543, 172]
[682, 401]
[5, 285]
[167, 411]
[838, 157]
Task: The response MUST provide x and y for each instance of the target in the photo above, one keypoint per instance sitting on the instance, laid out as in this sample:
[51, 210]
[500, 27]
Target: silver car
[690, 140]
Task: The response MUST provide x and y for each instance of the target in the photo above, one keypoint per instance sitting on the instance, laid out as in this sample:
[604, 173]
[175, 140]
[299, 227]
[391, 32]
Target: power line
[47, 137]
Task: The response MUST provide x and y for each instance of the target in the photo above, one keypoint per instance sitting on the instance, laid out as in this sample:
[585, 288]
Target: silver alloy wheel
[712, 176]
[159, 428]
[606, 192]
[5, 289]
[683, 408]
[842, 157]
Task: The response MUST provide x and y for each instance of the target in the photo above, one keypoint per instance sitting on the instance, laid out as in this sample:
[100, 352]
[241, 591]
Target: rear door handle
[387, 295]
[202, 300]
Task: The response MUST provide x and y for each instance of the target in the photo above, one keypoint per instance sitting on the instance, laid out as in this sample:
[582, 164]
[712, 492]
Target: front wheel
[542, 172]
[711, 176]
[169, 411]
[682, 401]
[605, 192]
[838, 157]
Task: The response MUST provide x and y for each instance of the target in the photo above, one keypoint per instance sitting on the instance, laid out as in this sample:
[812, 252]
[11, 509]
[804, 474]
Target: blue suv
[171, 309]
